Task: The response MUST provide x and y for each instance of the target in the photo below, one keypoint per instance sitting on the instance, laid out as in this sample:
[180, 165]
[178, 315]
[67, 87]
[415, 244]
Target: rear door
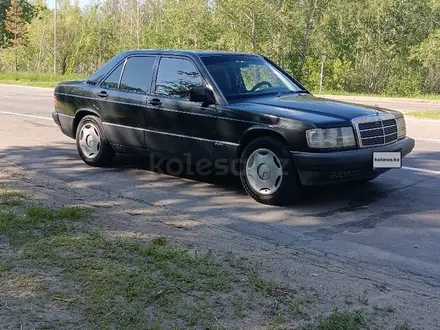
[181, 127]
[122, 101]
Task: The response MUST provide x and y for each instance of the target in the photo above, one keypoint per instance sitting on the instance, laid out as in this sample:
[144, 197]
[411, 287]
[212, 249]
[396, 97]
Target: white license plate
[387, 159]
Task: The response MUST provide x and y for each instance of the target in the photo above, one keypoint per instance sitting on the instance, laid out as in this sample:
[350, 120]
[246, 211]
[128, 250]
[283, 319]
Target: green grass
[36, 79]
[129, 277]
[34, 222]
[7, 193]
[135, 283]
[428, 114]
[418, 96]
[11, 197]
[340, 320]
[59, 255]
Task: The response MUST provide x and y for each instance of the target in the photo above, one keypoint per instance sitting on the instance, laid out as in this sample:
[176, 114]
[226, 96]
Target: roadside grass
[340, 320]
[416, 96]
[427, 114]
[57, 258]
[36, 79]
[11, 197]
[133, 283]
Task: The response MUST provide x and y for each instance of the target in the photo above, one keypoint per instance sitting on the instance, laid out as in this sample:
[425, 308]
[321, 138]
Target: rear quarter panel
[71, 97]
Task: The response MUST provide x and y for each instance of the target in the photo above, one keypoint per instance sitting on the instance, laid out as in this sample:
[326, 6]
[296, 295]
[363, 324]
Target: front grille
[375, 130]
[371, 125]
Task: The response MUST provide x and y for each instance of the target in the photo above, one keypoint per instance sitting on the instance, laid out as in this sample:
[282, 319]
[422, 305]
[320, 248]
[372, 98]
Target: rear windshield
[99, 75]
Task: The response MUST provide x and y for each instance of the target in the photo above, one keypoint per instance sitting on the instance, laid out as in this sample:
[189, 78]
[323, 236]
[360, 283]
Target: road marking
[428, 140]
[24, 86]
[420, 170]
[24, 115]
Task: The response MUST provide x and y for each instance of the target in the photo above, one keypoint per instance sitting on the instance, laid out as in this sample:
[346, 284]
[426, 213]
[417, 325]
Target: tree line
[369, 46]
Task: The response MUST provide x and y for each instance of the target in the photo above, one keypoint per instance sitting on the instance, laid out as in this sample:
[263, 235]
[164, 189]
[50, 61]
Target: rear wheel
[267, 172]
[92, 143]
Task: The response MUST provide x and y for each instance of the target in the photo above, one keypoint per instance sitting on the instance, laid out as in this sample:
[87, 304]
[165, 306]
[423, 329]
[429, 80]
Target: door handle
[103, 94]
[155, 102]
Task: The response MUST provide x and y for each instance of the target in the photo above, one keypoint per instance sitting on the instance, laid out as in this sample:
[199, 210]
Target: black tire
[290, 188]
[105, 153]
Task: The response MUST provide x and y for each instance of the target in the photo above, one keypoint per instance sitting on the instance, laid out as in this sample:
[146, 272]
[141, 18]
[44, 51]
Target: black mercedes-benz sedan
[239, 112]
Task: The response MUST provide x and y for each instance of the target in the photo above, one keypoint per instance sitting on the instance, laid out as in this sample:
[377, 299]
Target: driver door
[181, 127]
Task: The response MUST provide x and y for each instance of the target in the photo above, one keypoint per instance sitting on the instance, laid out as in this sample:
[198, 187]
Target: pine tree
[16, 26]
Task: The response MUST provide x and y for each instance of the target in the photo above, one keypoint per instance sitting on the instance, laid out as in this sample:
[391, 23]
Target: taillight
[55, 102]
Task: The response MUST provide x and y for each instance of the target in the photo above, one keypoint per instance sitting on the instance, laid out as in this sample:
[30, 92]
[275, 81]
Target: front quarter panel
[252, 121]
[295, 132]
[236, 127]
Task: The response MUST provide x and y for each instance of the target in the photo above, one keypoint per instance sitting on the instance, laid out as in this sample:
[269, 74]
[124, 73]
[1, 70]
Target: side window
[176, 77]
[137, 74]
[112, 81]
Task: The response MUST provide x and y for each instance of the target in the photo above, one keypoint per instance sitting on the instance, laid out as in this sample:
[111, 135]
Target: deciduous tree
[16, 26]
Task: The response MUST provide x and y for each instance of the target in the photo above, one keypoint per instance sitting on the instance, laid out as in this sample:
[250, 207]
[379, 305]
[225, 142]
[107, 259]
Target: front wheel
[268, 173]
[92, 143]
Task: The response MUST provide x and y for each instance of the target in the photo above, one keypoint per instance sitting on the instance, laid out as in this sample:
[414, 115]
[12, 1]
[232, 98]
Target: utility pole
[55, 38]
[322, 73]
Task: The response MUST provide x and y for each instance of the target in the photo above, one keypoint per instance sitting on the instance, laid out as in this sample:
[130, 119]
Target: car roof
[200, 53]
[101, 72]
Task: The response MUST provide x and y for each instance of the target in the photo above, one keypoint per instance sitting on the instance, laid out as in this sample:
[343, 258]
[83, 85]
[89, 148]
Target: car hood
[309, 108]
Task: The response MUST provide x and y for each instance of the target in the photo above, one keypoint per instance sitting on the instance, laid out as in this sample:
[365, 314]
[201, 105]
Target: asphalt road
[391, 225]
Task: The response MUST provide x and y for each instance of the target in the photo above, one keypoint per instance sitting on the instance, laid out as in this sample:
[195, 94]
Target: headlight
[401, 127]
[330, 137]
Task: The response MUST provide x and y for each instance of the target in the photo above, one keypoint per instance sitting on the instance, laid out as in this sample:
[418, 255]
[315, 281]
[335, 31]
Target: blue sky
[83, 2]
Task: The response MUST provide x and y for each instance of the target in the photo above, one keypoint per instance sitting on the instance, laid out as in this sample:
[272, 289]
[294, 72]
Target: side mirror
[202, 94]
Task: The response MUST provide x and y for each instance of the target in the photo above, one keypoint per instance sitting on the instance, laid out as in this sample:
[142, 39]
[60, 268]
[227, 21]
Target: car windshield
[245, 75]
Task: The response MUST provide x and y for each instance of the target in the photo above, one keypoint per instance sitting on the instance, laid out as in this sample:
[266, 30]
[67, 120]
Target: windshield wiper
[292, 92]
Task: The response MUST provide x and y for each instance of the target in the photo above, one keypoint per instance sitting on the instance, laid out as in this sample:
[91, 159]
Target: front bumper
[343, 166]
